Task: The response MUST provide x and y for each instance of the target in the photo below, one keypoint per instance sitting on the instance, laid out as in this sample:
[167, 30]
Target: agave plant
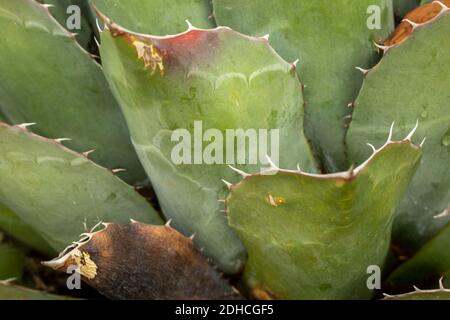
[343, 193]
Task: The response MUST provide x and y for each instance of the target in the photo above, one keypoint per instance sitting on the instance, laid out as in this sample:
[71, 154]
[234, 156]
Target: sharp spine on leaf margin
[118, 170]
[97, 43]
[417, 290]
[168, 223]
[364, 71]
[229, 185]
[372, 147]
[351, 172]
[26, 125]
[84, 234]
[87, 153]
[443, 214]
[265, 37]
[97, 23]
[381, 47]
[423, 142]
[47, 6]
[443, 5]
[192, 237]
[273, 166]
[59, 140]
[412, 23]
[190, 26]
[98, 224]
[441, 283]
[391, 131]
[409, 136]
[240, 172]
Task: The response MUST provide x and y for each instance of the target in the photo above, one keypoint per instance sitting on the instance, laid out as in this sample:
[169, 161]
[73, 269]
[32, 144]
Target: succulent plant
[291, 149]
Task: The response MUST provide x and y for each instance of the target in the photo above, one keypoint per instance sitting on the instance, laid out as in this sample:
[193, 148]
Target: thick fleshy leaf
[427, 266]
[188, 84]
[317, 236]
[47, 78]
[11, 224]
[11, 261]
[159, 17]
[12, 292]
[54, 190]
[142, 262]
[330, 38]
[411, 84]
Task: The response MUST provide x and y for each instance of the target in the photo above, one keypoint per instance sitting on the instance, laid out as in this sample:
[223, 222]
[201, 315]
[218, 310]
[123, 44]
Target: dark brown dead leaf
[139, 261]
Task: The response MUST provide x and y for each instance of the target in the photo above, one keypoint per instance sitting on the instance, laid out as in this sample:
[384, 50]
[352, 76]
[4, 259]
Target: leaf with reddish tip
[54, 190]
[226, 81]
[330, 39]
[47, 78]
[314, 236]
[159, 17]
[141, 262]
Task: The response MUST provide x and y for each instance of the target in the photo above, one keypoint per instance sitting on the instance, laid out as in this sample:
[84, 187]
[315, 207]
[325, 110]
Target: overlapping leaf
[317, 236]
[55, 191]
[46, 78]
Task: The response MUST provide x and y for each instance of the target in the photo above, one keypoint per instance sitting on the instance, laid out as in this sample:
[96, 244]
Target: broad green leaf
[196, 81]
[320, 236]
[411, 84]
[330, 39]
[46, 78]
[55, 191]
